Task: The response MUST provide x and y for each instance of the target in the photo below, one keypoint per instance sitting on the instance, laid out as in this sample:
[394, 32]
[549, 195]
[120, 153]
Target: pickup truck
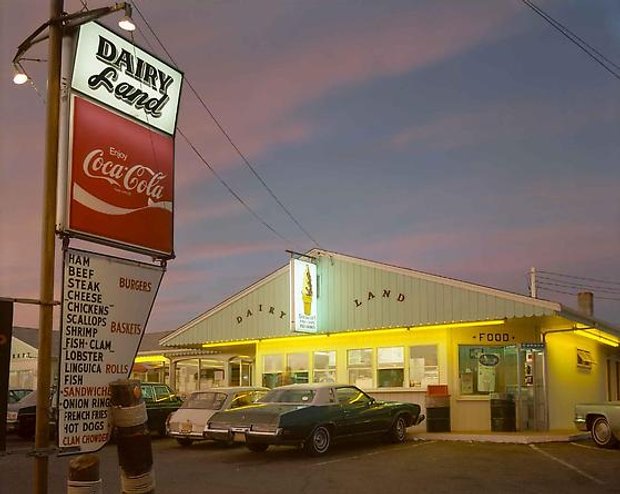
[602, 420]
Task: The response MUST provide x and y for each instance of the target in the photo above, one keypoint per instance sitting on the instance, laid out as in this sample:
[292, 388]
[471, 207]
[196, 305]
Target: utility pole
[48, 251]
[533, 282]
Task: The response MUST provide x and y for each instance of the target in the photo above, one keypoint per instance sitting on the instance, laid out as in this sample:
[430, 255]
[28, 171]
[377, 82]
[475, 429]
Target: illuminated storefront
[394, 332]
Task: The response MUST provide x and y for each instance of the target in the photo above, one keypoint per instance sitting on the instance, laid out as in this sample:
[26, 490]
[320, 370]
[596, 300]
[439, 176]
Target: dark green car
[313, 416]
[160, 401]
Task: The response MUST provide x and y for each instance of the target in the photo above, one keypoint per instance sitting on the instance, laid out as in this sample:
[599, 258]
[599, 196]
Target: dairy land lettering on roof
[125, 77]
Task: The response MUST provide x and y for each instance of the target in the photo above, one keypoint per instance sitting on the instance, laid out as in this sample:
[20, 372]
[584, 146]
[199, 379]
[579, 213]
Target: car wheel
[398, 431]
[319, 441]
[185, 442]
[602, 434]
[257, 447]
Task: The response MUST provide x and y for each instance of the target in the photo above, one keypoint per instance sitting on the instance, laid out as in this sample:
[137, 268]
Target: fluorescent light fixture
[150, 358]
[19, 76]
[601, 337]
[126, 23]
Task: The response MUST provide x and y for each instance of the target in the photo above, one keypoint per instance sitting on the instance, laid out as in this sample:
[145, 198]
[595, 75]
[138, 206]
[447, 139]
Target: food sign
[106, 305]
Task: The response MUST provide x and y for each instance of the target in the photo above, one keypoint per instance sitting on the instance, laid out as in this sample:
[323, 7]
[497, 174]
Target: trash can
[437, 409]
[503, 414]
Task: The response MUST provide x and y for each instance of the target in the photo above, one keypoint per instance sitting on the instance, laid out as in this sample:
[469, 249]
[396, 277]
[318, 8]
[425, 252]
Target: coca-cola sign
[120, 188]
[119, 74]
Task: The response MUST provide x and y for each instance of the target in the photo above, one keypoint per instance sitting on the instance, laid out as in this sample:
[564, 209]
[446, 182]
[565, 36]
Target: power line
[221, 180]
[578, 287]
[592, 52]
[227, 135]
[208, 165]
[575, 293]
[596, 280]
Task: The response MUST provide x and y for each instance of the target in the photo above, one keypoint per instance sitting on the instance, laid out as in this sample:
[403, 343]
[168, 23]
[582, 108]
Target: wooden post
[133, 439]
[84, 475]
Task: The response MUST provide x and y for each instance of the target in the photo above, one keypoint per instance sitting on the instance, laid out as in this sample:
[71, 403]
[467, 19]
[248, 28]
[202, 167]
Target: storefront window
[296, 368]
[324, 365]
[423, 366]
[481, 370]
[390, 367]
[359, 363]
[272, 370]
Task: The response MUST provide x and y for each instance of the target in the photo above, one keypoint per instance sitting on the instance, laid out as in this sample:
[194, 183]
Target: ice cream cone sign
[306, 292]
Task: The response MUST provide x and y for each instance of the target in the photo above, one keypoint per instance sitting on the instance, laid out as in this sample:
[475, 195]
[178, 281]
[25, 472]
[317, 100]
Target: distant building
[24, 357]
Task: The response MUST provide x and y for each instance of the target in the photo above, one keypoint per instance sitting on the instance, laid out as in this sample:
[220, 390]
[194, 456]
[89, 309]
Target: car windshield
[208, 400]
[29, 400]
[297, 396]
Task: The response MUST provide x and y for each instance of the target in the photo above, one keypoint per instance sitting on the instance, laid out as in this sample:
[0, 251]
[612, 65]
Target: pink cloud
[256, 98]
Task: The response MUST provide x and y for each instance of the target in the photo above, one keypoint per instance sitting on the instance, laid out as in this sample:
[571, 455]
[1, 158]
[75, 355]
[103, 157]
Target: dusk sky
[467, 139]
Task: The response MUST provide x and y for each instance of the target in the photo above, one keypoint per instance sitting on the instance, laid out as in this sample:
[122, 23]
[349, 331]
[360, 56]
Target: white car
[188, 423]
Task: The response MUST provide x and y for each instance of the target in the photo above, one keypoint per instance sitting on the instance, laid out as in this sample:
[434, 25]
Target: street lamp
[57, 23]
[67, 21]
[19, 75]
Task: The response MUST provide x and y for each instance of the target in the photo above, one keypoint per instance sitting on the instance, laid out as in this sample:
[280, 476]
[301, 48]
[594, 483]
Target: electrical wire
[237, 196]
[578, 287]
[195, 150]
[227, 135]
[592, 52]
[596, 280]
[575, 293]
[217, 176]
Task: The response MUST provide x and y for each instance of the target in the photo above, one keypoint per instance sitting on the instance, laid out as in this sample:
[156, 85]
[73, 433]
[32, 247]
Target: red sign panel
[121, 181]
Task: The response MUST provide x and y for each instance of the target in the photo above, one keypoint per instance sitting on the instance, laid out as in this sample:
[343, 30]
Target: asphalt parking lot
[418, 466]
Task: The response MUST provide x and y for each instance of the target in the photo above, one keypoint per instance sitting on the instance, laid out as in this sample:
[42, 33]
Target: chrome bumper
[580, 423]
[240, 434]
[185, 435]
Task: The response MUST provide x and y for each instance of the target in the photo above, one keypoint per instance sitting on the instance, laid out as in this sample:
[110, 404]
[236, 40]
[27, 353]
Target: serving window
[297, 368]
[423, 366]
[482, 369]
[359, 366]
[272, 370]
[324, 367]
[391, 367]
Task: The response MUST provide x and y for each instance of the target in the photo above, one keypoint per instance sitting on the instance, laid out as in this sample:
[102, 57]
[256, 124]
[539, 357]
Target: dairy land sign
[106, 305]
[122, 76]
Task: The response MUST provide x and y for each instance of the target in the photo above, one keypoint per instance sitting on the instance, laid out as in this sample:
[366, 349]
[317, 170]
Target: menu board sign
[106, 305]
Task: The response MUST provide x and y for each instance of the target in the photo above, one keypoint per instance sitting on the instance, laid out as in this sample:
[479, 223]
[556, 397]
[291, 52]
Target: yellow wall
[567, 384]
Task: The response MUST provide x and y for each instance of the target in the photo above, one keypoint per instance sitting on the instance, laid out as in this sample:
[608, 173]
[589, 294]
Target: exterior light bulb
[126, 22]
[19, 76]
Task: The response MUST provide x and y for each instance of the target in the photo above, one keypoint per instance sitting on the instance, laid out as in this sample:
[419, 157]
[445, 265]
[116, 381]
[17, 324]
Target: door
[531, 398]
[240, 372]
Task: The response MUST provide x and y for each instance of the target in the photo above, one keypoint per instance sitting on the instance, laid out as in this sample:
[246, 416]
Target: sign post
[6, 333]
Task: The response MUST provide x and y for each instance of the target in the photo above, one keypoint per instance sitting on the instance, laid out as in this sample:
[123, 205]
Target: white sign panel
[303, 296]
[117, 73]
[106, 305]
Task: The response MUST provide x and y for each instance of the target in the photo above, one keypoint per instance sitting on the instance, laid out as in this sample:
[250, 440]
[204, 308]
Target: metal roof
[358, 294]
